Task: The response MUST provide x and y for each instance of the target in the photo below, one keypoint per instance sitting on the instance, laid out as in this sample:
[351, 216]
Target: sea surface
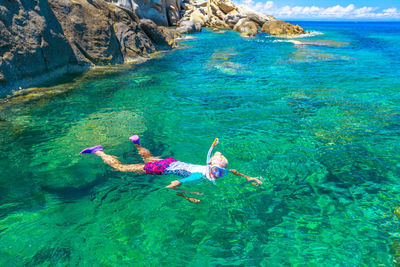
[318, 117]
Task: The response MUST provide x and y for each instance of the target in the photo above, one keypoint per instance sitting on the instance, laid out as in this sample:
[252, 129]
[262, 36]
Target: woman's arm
[257, 181]
[176, 183]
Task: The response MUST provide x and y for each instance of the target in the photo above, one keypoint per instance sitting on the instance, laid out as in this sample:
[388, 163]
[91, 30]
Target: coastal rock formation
[109, 34]
[31, 42]
[254, 16]
[282, 28]
[161, 36]
[198, 17]
[224, 14]
[188, 26]
[172, 15]
[43, 37]
[232, 18]
[246, 27]
[162, 12]
[226, 6]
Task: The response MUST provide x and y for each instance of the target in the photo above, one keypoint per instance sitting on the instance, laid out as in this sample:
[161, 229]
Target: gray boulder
[232, 18]
[225, 5]
[188, 27]
[129, 4]
[282, 28]
[217, 12]
[254, 16]
[160, 35]
[246, 27]
[162, 12]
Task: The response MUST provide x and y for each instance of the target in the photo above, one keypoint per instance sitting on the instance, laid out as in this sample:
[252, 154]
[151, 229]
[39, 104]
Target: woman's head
[219, 160]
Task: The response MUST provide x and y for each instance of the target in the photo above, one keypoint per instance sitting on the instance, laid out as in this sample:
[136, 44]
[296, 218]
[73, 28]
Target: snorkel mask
[215, 170]
[218, 171]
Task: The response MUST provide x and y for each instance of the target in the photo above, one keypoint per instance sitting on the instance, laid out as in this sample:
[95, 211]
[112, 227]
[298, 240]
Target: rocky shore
[44, 38]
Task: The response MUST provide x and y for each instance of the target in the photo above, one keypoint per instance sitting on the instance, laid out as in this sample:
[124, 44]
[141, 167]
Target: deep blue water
[318, 117]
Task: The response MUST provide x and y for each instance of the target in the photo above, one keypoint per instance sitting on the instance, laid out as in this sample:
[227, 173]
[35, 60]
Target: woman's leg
[146, 155]
[117, 165]
[143, 152]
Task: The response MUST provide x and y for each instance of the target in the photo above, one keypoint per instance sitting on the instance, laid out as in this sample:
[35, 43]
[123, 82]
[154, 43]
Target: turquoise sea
[318, 117]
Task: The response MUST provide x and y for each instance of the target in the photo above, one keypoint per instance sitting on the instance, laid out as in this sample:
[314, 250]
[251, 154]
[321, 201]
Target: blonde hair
[219, 159]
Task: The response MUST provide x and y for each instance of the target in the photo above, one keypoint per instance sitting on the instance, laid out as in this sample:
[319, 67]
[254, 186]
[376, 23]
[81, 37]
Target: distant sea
[318, 117]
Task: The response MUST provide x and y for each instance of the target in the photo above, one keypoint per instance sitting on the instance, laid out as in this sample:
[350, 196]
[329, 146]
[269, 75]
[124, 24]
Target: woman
[215, 168]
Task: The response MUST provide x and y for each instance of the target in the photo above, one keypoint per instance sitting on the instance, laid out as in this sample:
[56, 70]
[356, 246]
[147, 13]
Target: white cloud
[391, 12]
[268, 5]
[338, 11]
[346, 12]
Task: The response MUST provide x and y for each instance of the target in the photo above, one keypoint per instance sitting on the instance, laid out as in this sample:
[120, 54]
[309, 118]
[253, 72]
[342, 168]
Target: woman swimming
[215, 168]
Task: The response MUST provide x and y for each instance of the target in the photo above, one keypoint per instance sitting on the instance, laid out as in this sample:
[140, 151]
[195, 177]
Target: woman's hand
[257, 181]
[191, 199]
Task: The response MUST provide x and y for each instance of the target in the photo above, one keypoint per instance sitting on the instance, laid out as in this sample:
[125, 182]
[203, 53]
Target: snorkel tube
[208, 175]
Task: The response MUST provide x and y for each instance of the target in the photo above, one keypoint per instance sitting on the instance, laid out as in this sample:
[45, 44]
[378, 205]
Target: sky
[381, 10]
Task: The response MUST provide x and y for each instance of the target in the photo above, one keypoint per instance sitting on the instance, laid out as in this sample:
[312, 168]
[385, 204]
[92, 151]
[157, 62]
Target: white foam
[295, 42]
[310, 34]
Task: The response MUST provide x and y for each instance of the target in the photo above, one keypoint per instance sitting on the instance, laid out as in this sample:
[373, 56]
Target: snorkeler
[215, 167]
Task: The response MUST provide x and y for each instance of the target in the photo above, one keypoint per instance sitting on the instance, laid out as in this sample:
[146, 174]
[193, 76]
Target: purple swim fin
[92, 149]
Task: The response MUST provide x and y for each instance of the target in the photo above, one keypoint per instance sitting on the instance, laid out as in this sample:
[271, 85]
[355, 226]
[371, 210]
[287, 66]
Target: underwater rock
[282, 28]
[58, 165]
[330, 43]
[313, 55]
[230, 68]
[223, 55]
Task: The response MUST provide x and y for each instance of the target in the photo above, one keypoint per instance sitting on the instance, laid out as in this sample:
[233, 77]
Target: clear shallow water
[321, 124]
